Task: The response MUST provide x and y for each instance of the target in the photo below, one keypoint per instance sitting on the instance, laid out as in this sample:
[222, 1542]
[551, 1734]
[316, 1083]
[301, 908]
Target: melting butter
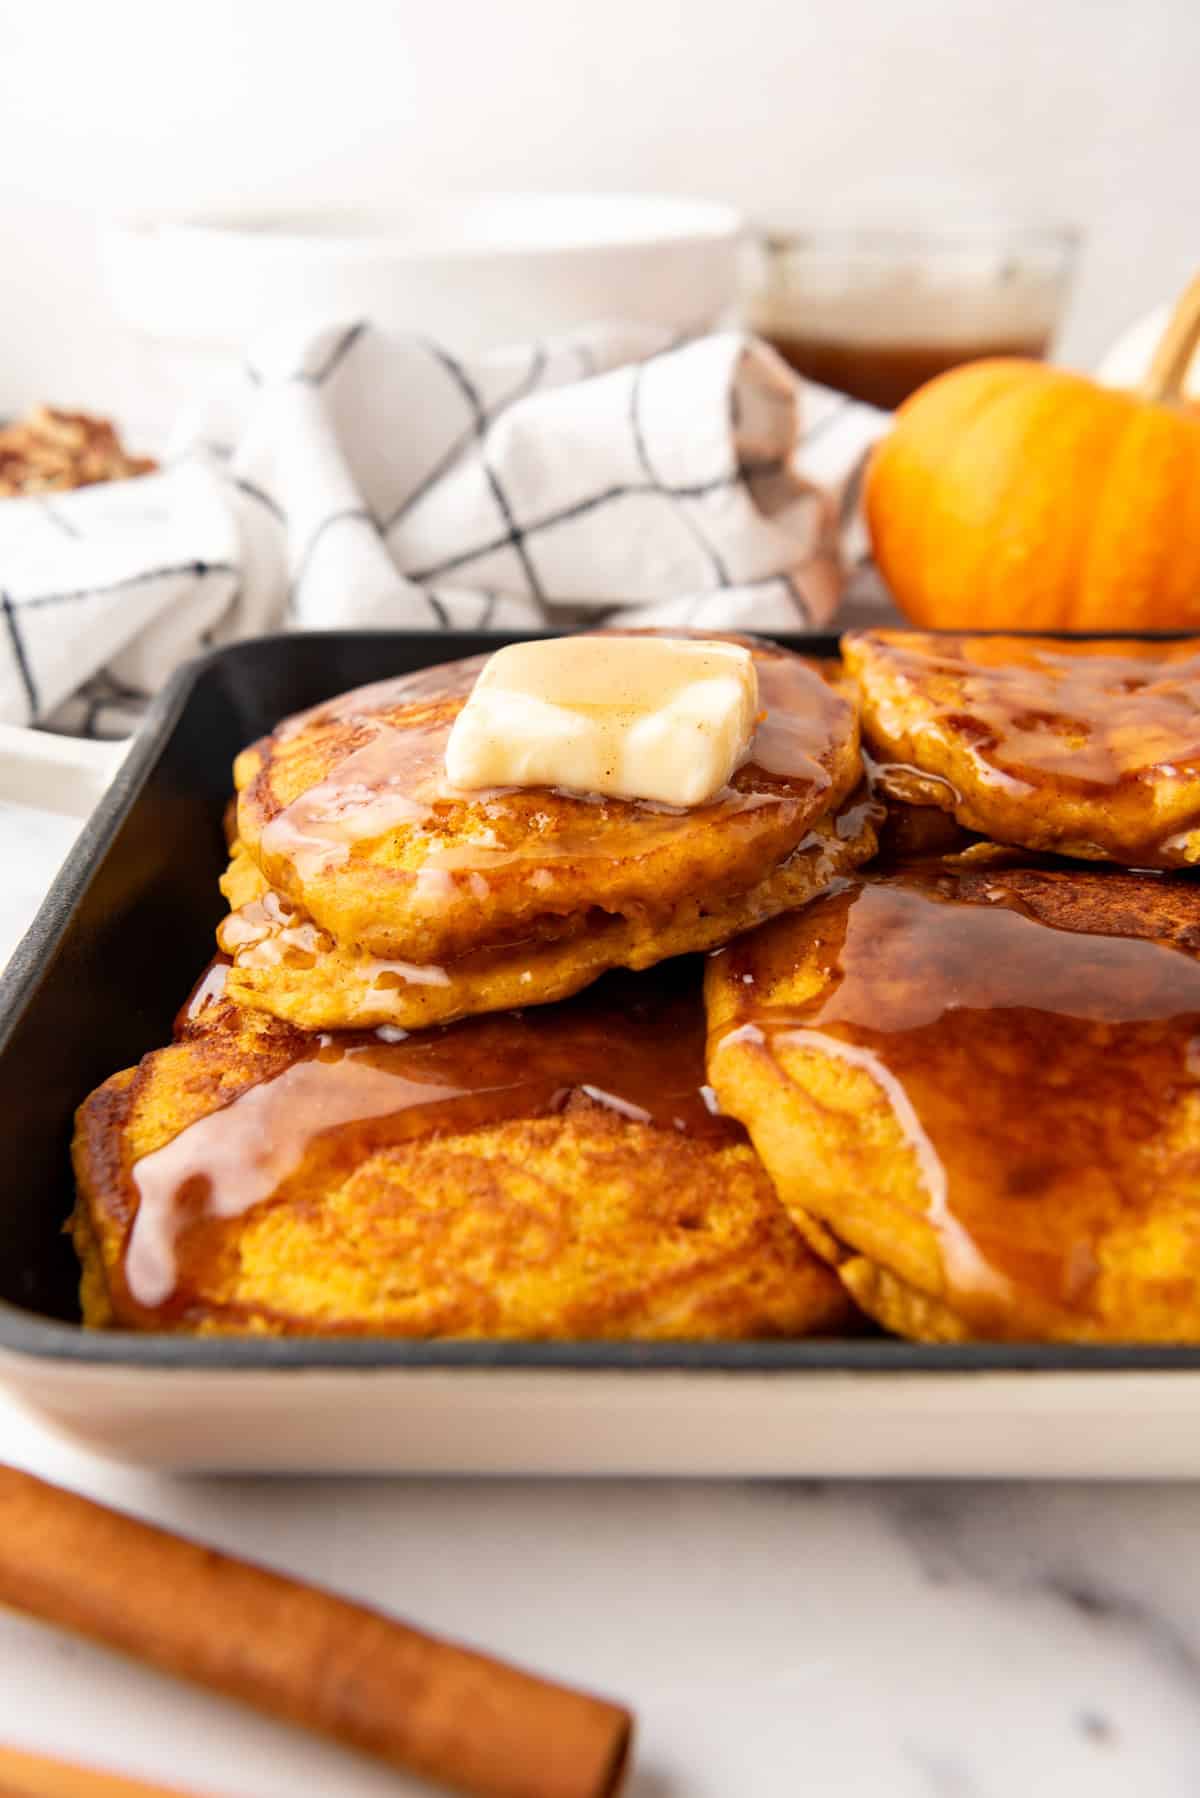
[658, 718]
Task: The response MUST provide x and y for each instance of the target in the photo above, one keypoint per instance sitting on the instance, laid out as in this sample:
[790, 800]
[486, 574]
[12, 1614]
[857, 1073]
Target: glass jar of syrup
[877, 313]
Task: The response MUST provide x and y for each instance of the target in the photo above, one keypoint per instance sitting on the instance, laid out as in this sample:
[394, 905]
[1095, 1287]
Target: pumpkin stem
[1176, 347]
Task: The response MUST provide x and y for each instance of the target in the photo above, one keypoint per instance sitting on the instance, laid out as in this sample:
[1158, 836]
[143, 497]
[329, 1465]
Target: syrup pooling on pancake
[286, 966]
[1095, 714]
[395, 689]
[1090, 749]
[208, 990]
[1028, 1068]
[635, 1045]
[270, 932]
[396, 779]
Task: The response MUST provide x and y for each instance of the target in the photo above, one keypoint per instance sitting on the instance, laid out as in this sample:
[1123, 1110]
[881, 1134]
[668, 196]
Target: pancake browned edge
[977, 1089]
[556, 1174]
[1088, 748]
[284, 964]
[366, 892]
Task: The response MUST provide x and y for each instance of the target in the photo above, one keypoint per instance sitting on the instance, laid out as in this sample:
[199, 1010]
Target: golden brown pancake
[556, 1174]
[1088, 749]
[286, 964]
[347, 813]
[978, 1091]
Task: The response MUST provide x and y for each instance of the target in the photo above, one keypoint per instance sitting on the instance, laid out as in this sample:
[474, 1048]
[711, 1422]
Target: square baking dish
[95, 983]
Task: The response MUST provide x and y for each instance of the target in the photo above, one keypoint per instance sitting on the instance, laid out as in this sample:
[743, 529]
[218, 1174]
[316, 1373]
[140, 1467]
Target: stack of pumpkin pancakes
[354, 1130]
[530, 1064]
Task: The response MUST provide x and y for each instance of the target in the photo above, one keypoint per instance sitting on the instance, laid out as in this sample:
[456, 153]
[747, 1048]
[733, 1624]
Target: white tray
[48, 787]
[458, 1420]
[1058, 1420]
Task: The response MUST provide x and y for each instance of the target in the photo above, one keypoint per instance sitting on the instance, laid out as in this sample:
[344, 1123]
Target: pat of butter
[661, 718]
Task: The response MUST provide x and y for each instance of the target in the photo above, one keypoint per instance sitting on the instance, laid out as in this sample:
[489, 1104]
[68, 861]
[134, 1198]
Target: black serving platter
[121, 936]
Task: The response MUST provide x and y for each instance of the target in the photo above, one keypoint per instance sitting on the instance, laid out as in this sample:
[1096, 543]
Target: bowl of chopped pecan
[51, 451]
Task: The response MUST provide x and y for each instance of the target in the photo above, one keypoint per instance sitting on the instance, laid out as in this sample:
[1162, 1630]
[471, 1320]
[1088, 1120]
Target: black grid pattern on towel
[16, 644]
[355, 515]
[480, 417]
[521, 537]
[500, 525]
[514, 535]
[37, 601]
[593, 503]
[720, 571]
[317, 377]
[15, 610]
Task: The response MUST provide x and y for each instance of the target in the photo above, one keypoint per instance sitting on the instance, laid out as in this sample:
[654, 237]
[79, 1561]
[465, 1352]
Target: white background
[1087, 110]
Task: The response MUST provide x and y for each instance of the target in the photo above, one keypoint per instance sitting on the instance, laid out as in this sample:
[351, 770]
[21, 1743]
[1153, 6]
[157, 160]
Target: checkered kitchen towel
[354, 478]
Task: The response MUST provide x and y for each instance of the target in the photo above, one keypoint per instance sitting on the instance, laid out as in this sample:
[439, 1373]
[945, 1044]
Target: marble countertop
[906, 1640]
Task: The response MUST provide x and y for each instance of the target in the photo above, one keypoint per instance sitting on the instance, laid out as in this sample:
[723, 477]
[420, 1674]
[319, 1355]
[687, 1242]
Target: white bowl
[472, 271]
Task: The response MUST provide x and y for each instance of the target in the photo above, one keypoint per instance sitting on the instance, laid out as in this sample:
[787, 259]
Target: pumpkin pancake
[284, 963]
[347, 812]
[553, 1174]
[977, 1090]
[366, 891]
[1087, 749]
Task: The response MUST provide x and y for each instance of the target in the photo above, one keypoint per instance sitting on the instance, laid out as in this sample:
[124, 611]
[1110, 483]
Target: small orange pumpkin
[1009, 495]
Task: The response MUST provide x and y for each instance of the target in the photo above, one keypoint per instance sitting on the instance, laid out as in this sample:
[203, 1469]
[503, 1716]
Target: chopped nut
[49, 451]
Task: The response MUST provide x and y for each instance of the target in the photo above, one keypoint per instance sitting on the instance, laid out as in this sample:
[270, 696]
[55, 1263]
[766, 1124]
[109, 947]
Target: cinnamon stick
[307, 1656]
[36, 1776]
